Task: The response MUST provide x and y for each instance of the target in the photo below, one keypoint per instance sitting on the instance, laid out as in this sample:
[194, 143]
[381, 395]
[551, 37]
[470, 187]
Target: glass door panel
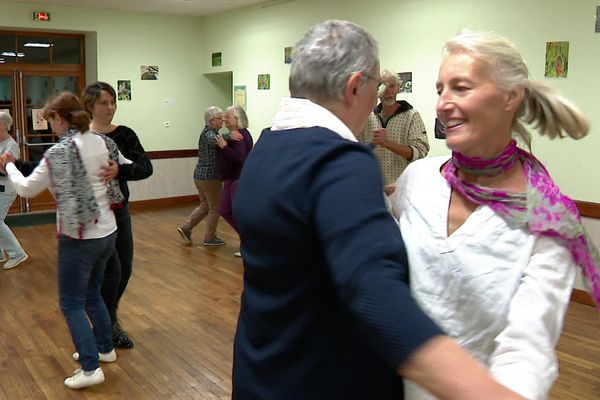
[68, 83]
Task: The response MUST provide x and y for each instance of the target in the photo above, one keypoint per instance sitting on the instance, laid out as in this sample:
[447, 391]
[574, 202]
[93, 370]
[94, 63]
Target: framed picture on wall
[557, 60]
[287, 55]
[124, 90]
[264, 81]
[217, 59]
[149, 72]
[405, 82]
[239, 96]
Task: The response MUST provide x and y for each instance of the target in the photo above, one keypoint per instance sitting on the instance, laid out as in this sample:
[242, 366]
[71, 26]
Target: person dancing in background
[86, 227]
[395, 130]
[207, 179]
[232, 155]
[492, 243]
[99, 99]
[9, 244]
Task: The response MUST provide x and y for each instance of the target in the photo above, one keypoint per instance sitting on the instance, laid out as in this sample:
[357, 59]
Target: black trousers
[119, 265]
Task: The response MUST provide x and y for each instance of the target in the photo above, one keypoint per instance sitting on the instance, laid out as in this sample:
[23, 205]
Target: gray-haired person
[10, 248]
[326, 311]
[395, 129]
[207, 179]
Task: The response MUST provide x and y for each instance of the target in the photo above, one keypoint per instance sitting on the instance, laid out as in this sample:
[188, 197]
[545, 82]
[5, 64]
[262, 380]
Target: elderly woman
[232, 155]
[491, 241]
[9, 245]
[395, 129]
[86, 228]
[208, 182]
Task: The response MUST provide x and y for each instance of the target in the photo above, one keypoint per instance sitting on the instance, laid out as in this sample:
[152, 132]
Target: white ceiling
[182, 7]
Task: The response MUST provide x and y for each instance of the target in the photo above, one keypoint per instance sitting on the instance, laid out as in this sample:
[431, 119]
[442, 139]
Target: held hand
[222, 143]
[109, 171]
[389, 189]
[5, 159]
[237, 136]
[379, 136]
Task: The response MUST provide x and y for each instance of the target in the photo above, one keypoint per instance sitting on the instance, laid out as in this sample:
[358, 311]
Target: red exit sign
[41, 16]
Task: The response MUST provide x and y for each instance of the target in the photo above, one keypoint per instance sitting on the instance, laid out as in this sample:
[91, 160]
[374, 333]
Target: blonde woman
[492, 243]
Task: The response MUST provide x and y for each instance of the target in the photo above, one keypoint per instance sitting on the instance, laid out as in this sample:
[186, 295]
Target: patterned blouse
[206, 168]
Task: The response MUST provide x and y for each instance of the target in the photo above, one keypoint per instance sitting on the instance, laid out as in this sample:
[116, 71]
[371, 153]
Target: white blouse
[94, 156]
[500, 292]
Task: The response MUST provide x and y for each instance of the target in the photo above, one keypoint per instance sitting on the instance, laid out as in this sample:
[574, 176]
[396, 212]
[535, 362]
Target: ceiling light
[36, 45]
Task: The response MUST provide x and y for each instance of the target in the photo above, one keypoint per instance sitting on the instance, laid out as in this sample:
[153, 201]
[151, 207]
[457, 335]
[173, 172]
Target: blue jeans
[81, 266]
[8, 241]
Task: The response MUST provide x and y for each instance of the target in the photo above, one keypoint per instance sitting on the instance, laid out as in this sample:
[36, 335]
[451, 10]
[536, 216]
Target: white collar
[295, 113]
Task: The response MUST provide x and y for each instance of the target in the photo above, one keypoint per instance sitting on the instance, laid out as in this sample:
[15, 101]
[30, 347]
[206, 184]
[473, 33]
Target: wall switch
[167, 124]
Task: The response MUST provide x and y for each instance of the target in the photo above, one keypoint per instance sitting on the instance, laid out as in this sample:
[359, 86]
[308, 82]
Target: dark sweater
[326, 311]
[231, 157]
[130, 146]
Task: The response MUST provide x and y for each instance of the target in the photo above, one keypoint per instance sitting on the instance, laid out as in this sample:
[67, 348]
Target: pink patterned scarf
[543, 208]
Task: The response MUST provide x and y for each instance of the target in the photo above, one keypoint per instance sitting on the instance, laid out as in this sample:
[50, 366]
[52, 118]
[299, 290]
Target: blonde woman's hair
[552, 114]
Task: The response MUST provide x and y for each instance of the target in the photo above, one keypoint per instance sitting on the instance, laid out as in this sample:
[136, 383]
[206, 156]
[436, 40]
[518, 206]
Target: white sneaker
[104, 357]
[13, 262]
[79, 379]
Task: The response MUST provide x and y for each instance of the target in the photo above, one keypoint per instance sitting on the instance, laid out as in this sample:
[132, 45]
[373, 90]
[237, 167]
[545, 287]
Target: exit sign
[41, 16]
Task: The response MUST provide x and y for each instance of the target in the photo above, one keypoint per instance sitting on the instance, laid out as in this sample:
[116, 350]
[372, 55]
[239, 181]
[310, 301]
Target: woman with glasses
[232, 154]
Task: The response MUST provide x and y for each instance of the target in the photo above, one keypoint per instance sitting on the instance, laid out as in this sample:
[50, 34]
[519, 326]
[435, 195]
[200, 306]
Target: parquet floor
[180, 309]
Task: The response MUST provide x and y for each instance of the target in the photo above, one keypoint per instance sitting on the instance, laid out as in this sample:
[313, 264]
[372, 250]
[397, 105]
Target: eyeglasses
[379, 82]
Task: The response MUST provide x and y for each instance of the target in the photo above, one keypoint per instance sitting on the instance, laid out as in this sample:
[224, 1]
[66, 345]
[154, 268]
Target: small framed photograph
[124, 90]
[217, 59]
[264, 81]
[287, 55]
[149, 72]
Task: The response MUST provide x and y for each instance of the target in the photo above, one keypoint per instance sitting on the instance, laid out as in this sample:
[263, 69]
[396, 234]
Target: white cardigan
[500, 292]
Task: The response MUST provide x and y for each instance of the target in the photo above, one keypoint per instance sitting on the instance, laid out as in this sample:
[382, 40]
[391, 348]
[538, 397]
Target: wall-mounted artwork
[239, 96]
[557, 59]
[217, 59]
[287, 55]
[597, 19]
[405, 82]
[264, 82]
[124, 90]
[149, 72]
[39, 123]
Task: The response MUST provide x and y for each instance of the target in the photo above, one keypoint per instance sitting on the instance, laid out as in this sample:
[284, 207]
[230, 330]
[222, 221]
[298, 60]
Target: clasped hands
[107, 172]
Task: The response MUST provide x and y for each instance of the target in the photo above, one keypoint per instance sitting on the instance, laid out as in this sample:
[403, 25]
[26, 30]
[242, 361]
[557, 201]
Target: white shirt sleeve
[123, 159]
[524, 359]
[34, 184]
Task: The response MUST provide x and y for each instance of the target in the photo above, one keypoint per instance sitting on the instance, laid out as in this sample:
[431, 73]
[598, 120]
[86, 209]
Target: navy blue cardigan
[326, 311]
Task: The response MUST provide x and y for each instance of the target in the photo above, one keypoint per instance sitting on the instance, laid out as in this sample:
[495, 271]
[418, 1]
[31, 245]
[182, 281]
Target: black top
[129, 145]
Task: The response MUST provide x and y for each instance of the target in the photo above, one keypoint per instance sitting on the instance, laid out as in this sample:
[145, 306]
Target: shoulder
[427, 166]
[124, 130]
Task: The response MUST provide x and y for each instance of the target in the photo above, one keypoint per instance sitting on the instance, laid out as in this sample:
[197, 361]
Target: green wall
[411, 34]
[123, 41]
[252, 39]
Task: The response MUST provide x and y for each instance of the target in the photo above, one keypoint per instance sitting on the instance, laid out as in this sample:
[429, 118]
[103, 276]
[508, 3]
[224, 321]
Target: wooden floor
[180, 309]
